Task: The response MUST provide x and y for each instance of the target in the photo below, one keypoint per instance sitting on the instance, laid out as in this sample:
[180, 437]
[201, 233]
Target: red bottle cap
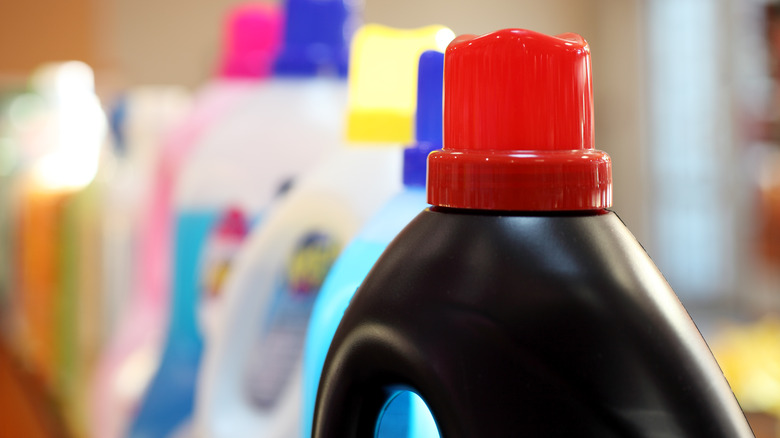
[518, 126]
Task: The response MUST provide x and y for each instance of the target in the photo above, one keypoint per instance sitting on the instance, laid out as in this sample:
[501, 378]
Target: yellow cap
[383, 80]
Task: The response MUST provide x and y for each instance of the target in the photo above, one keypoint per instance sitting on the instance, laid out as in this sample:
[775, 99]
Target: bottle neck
[552, 213]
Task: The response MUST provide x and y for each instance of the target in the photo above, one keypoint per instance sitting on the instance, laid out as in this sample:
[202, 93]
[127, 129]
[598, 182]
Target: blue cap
[428, 130]
[316, 38]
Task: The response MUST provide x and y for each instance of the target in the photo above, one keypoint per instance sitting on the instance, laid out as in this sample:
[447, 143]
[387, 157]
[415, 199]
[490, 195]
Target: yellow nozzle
[383, 80]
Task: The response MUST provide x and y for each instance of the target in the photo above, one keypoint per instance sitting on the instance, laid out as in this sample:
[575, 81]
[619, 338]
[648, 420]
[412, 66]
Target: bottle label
[279, 346]
[217, 255]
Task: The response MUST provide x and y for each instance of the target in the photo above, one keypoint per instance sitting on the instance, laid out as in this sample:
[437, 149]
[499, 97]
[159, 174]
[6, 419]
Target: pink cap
[251, 38]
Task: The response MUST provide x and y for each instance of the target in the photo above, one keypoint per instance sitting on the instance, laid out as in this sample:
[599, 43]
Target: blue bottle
[408, 415]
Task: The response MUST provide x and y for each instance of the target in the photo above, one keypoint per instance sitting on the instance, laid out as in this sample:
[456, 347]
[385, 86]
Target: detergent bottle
[63, 154]
[139, 120]
[79, 296]
[61, 151]
[101, 248]
[359, 256]
[250, 39]
[8, 163]
[518, 305]
[17, 110]
[251, 379]
[243, 163]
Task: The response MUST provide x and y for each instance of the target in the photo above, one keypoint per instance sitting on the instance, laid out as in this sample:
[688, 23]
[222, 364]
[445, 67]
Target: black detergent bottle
[518, 305]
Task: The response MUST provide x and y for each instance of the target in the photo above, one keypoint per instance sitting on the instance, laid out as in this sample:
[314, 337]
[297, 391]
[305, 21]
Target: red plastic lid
[518, 126]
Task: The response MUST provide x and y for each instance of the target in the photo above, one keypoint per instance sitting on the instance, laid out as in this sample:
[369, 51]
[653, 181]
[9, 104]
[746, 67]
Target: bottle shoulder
[494, 260]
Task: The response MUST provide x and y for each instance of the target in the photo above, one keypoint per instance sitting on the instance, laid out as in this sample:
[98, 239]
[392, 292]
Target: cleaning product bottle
[17, 112]
[100, 226]
[251, 36]
[251, 379]
[62, 150]
[139, 120]
[243, 163]
[80, 298]
[9, 162]
[518, 304]
[66, 149]
[359, 256]
[96, 244]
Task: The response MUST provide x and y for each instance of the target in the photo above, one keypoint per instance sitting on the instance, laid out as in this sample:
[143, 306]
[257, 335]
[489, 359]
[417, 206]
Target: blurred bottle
[251, 378]
[27, 405]
[80, 296]
[58, 294]
[749, 356]
[139, 119]
[26, 409]
[250, 37]
[359, 256]
[16, 108]
[243, 163]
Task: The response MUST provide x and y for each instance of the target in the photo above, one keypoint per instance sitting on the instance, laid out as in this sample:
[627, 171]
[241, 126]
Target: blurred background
[687, 104]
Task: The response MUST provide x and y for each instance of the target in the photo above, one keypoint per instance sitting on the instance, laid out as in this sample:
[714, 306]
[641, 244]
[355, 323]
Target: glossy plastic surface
[251, 37]
[523, 325]
[518, 126]
[427, 128]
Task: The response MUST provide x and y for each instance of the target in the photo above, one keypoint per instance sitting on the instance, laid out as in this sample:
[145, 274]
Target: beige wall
[618, 85]
[150, 41]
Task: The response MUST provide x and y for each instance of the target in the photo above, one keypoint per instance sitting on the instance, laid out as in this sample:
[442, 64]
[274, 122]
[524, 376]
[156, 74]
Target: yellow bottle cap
[383, 80]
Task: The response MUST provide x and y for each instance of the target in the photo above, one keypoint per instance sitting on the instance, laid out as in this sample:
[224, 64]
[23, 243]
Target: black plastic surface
[533, 326]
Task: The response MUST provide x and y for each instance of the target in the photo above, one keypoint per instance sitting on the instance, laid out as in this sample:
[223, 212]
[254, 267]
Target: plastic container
[251, 379]
[80, 297]
[139, 120]
[518, 304]
[19, 112]
[63, 159]
[54, 266]
[243, 163]
[359, 256]
[9, 162]
[251, 35]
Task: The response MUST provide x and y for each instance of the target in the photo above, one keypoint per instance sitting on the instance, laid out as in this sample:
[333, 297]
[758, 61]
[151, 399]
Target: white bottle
[250, 383]
[281, 129]
[127, 363]
[139, 120]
